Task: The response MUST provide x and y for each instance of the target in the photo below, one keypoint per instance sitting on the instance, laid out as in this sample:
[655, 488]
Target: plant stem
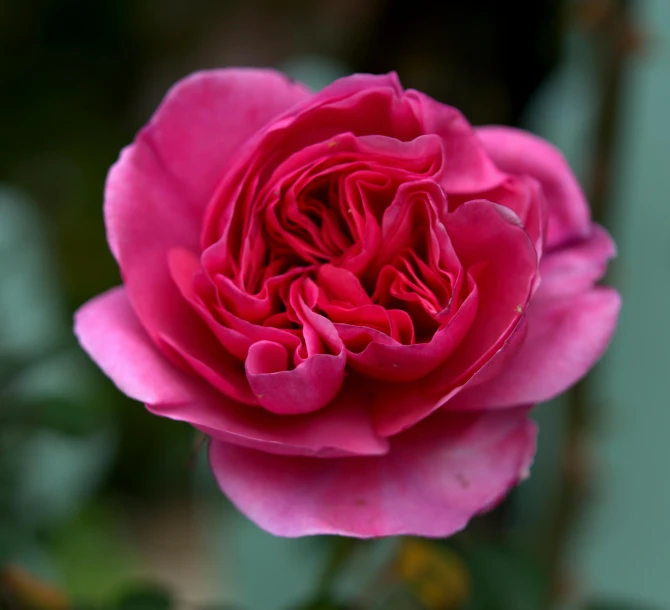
[610, 37]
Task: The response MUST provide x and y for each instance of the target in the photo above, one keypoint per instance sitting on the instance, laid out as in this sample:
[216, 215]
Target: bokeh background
[105, 506]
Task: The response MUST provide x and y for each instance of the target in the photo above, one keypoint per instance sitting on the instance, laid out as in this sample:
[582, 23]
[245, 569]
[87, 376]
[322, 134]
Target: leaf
[76, 467]
[505, 578]
[287, 568]
[144, 597]
[31, 309]
[94, 560]
[57, 392]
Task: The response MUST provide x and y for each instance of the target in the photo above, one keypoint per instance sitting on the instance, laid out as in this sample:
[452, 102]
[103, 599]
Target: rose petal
[493, 246]
[341, 285]
[156, 194]
[344, 108]
[202, 122]
[467, 166]
[235, 334]
[354, 83]
[227, 376]
[435, 478]
[519, 152]
[309, 386]
[396, 362]
[566, 337]
[521, 194]
[378, 101]
[490, 236]
[577, 266]
[112, 335]
[570, 326]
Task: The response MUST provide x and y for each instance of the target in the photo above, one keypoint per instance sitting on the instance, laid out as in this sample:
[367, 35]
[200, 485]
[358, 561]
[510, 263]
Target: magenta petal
[493, 246]
[565, 338]
[355, 83]
[396, 362]
[111, 334]
[202, 123]
[226, 376]
[145, 213]
[467, 166]
[519, 152]
[145, 217]
[578, 266]
[157, 192]
[491, 236]
[308, 387]
[343, 428]
[342, 285]
[435, 478]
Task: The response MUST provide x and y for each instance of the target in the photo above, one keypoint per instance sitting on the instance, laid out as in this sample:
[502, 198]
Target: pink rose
[357, 296]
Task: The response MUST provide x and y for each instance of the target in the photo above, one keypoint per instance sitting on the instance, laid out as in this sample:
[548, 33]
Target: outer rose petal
[578, 266]
[566, 337]
[569, 324]
[156, 194]
[200, 125]
[519, 152]
[110, 332]
[436, 477]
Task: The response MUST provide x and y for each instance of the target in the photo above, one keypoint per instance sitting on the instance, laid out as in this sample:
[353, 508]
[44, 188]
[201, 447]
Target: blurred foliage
[146, 597]
[505, 577]
[615, 605]
[94, 533]
[437, 575]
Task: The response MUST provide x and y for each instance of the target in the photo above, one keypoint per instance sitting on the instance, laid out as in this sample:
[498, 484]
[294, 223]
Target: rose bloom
[357, 296]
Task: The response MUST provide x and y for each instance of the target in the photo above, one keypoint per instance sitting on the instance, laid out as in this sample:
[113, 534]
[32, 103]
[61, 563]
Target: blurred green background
[105, 506]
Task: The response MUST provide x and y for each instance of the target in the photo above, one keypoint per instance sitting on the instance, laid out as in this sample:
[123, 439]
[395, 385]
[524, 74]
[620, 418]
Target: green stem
[341, 551]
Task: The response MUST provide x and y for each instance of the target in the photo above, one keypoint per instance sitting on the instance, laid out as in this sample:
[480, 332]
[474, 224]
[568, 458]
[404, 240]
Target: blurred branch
[611, 26]
[613, 40]
[341, 551]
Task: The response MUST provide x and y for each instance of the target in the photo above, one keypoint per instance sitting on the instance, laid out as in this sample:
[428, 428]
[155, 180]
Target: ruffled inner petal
[320, 224]
[339, 246]
[501, 262]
